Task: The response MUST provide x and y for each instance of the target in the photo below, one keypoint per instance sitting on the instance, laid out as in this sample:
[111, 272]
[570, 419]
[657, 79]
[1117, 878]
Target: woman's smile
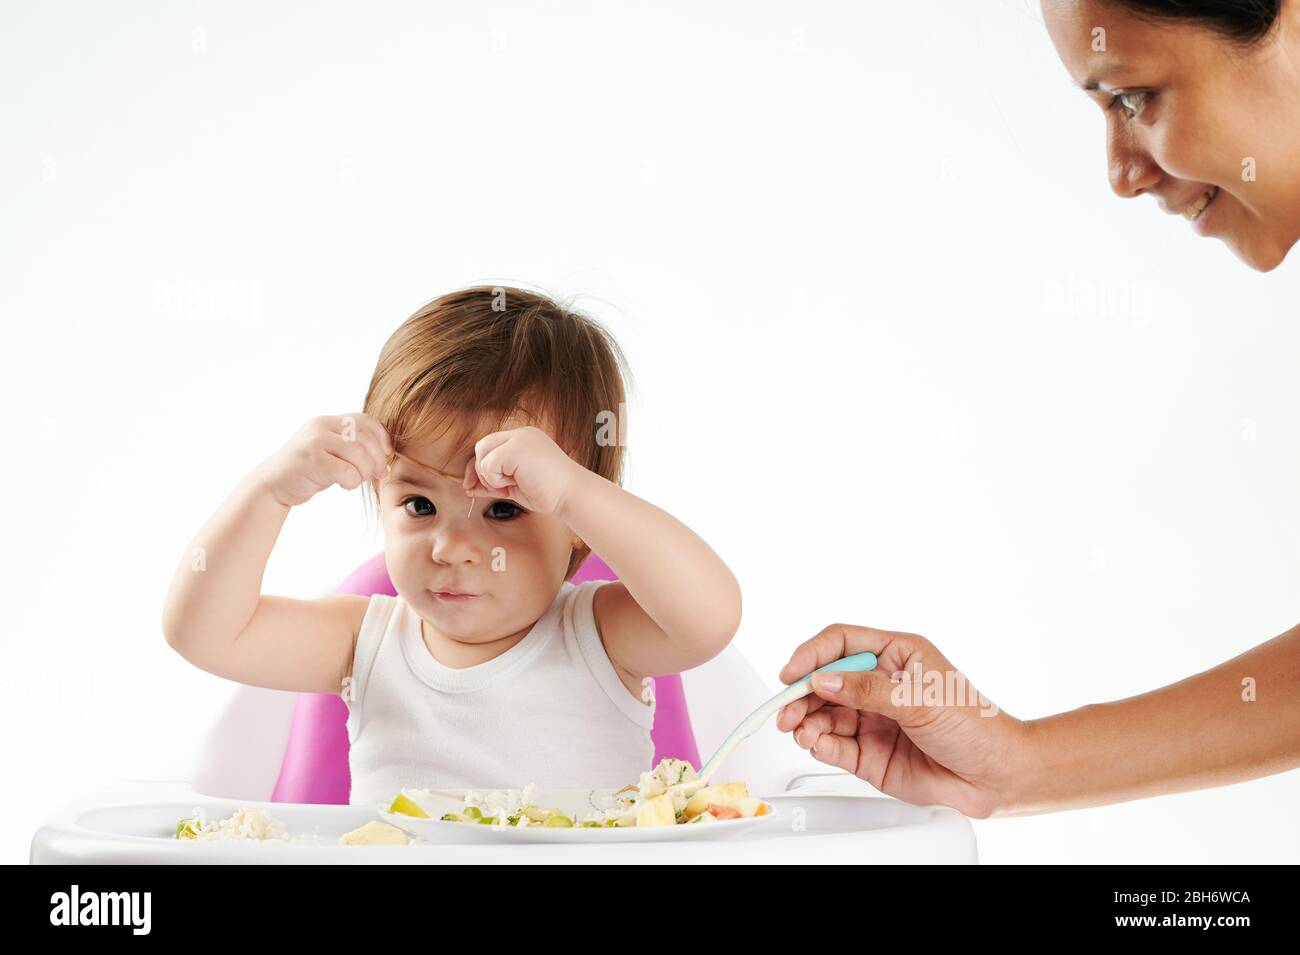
[1201, 212]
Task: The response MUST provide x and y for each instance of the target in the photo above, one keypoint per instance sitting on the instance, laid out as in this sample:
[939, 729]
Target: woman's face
[1191, 117]
[479, 569]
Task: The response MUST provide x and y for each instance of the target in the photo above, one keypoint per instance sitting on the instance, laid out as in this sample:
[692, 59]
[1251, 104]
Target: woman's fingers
[834, 642]
[936, 746]
[840, 751]
[899, 655]
[869, 692]
[861, 743]
[792, 714]
[839, 720]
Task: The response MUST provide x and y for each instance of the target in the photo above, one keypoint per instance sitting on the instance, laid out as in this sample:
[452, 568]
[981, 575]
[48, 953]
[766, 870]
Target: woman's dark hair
[1243, 21]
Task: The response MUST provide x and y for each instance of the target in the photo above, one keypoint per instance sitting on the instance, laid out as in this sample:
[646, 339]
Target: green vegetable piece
[187, 829]
[558, 821]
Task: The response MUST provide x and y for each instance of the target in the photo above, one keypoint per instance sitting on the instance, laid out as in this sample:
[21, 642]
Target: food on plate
[723, 795]
[407, 807]
[246, 825]
[650, 802]
[375, 833]
[656, 811]
[258, 825]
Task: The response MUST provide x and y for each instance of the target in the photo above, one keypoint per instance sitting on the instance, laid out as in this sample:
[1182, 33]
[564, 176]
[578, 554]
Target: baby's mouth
[453, 596]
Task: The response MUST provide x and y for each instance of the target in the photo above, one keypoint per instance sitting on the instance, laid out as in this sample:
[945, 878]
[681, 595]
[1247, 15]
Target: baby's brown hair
[470, 359]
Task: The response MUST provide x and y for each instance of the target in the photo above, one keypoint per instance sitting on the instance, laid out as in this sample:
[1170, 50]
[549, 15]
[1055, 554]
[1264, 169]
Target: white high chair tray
[820, 820]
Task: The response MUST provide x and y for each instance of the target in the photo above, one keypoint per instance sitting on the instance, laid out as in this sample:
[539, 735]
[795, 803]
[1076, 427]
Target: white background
[900, 354]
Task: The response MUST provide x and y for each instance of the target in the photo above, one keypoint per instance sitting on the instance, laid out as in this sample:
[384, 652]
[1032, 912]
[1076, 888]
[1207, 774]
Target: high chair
[273, 747]
[301, 755]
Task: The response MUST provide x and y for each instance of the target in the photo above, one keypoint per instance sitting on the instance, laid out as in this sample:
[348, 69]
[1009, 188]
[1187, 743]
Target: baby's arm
[215, 615]
[675, 605]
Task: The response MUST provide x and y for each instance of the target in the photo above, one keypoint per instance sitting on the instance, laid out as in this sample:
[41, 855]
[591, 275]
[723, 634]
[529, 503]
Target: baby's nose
[455, 545]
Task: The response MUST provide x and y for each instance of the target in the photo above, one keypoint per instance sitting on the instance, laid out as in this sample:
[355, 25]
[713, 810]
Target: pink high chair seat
[315, 766]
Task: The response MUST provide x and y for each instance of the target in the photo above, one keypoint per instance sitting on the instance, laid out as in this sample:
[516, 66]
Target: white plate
[575, 802]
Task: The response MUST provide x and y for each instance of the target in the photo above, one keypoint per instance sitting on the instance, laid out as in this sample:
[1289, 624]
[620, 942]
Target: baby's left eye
[504, 510]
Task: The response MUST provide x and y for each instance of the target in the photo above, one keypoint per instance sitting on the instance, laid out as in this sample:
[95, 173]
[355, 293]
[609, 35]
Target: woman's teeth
[1194, 210]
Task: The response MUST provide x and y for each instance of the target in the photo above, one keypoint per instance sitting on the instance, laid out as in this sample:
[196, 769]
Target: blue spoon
[857, 663]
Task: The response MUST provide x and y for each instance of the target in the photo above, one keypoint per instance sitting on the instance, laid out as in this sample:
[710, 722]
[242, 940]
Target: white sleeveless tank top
[550, 710]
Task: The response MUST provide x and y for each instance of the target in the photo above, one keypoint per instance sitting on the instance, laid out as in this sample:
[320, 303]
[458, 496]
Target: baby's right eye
[421, 500]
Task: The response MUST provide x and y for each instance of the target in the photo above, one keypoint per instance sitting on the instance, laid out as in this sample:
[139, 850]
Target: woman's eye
[1131, 103]
[504, 510]
[421, 501]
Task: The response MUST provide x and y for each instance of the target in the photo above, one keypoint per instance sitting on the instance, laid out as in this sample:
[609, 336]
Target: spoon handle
[800, 688]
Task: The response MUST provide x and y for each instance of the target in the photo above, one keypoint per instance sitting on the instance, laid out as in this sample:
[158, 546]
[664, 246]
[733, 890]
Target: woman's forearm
[218, 581]
[1237, 721]
[676, 578]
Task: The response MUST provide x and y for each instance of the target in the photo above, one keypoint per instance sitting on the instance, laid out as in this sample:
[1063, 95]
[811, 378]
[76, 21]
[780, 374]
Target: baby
[491, 441]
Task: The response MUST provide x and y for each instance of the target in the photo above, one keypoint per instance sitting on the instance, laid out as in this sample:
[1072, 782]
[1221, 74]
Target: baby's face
[477, 569]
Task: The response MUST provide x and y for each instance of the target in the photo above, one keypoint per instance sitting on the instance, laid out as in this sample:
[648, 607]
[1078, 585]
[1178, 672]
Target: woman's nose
[1132, 171]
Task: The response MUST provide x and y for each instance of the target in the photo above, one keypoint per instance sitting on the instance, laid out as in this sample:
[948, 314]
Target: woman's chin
[1260, 259]
[1258, 251]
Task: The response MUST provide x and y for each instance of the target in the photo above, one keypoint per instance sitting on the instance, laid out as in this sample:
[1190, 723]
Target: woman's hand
[346, 450]
[913, 727]
[522, 465]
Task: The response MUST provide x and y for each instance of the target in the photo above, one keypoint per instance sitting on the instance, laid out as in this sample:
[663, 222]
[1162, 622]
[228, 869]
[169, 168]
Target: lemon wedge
[407, 807]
